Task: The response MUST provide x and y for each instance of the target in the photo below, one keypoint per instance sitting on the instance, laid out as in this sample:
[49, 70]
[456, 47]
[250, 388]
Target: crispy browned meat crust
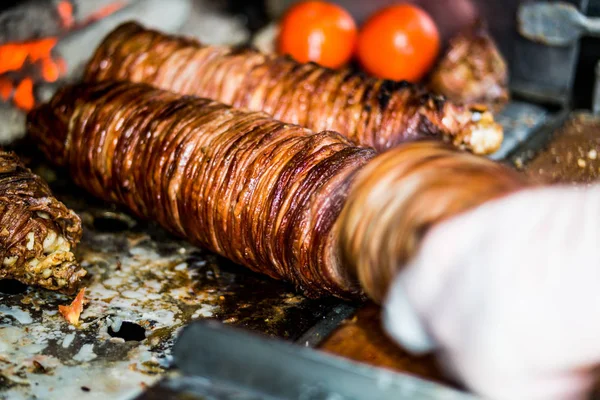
[37, 232]
[263, 193]
[372, 112]
[308, 207]
[472, 71]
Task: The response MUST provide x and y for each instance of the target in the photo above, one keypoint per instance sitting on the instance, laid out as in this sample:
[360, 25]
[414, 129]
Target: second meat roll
[371, 112]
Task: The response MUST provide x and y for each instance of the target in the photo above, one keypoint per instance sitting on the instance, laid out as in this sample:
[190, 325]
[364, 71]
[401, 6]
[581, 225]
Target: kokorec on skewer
[307, 207]
[370, 112]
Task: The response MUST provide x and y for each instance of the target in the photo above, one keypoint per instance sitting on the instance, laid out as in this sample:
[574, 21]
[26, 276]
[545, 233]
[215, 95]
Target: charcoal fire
[31, 69]
[29, 33]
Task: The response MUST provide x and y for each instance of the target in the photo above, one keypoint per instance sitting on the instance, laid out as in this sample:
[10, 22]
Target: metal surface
[541, 73]
[520, 121]
[555, 23]
[272, 368]
[527, 150]
[322, 329]
[144, 286]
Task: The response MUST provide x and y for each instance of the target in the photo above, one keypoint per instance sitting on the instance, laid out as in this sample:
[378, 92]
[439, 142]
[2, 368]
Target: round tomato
[400, 42]
[318, 31]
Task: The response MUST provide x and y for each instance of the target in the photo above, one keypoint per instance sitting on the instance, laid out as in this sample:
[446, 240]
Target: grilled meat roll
[371, 112]
[258, 191]
[37, 232]
[253, 189]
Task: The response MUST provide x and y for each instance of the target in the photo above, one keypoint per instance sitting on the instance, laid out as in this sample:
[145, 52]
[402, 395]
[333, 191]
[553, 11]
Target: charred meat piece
[368, 111]
[472, 71]
[37, 232]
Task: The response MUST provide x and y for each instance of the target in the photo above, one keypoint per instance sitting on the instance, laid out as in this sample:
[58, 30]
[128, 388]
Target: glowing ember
[65, 10]
[72, 312]
[14, 55]
[5, 88]
[23, 96]
[53, 69]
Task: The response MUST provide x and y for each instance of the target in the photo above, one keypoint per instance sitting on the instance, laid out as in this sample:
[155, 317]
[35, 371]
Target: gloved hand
[509, 295]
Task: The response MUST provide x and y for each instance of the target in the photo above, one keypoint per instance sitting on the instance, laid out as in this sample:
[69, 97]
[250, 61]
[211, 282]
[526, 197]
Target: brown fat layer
[260, 192]
[28, 215]
[369, 111]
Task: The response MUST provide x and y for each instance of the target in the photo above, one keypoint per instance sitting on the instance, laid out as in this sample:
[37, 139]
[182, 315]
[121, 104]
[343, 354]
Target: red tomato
[400, 42]
[318, 31]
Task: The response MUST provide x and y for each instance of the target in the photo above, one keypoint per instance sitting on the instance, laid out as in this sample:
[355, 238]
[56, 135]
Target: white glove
[509, 295]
